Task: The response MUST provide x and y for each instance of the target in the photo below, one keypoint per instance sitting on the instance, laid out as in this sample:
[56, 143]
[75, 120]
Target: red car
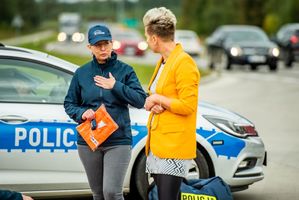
[128, 42]
[287, 38]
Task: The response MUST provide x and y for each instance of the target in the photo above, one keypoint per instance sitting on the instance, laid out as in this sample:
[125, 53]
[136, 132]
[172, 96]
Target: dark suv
[287, 39]
[242, 45]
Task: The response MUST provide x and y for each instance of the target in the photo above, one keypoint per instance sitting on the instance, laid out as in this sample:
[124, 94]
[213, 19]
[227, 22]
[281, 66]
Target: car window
[219, 35]
[219, 31]
[185, 36]
[286, 32]
[246, 35]
[31, 82]
[128, 35]
[281, 33]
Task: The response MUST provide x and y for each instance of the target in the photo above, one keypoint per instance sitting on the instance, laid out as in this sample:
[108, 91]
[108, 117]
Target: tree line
[203, 16]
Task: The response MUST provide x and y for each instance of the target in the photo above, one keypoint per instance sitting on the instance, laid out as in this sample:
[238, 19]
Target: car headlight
[274, 51]
[142, 45]
[235, 51]
[61, 37]
[116, 44]
[241, 130]
[78, 37]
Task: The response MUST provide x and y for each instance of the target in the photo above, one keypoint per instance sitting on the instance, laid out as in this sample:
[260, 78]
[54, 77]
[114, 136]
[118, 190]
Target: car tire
[288, 59]
[141, 180]
[210, 62]
[202, 166]
[225, 62]
[211, 66]
[273, 66]
[253, 67]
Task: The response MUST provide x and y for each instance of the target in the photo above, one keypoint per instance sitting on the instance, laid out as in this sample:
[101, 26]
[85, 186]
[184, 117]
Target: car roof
[126, 34]
[239, 27]
[18, 52]
[291, 26]
[226, 29]
[183, 31]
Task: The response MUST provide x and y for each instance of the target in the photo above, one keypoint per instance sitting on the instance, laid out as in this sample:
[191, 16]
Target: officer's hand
[106, 83]
[88, 115]
[26, 197]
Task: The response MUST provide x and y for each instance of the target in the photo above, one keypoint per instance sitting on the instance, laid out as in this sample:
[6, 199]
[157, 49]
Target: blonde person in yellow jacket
[173, 89]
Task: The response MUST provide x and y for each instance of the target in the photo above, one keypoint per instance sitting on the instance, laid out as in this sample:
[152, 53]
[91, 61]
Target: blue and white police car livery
[38, 150]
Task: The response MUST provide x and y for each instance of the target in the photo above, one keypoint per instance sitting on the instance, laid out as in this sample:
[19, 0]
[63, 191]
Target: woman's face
[151, 41]
[101, 50]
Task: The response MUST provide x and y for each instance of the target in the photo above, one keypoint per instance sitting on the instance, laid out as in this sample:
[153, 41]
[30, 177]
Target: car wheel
[253, 67]
[211, 66]
[199, 167]
[288, 60]
[141, 181]
[273, 66]
[210, 62]
[225, 62]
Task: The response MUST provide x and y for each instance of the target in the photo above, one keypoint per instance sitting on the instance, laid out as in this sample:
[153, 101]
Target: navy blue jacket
[10, 195]
[83, 94]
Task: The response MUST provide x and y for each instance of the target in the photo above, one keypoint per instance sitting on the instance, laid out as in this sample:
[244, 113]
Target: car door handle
[13, 119]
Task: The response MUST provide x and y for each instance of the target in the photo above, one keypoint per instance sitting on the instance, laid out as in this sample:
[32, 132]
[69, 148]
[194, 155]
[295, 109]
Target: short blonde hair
[160, 21]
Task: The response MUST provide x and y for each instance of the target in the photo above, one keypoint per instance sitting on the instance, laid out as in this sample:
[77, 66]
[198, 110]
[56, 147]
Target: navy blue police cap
[98, 33]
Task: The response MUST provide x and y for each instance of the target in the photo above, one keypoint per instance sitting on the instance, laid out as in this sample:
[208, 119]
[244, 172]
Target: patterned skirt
[169, 166]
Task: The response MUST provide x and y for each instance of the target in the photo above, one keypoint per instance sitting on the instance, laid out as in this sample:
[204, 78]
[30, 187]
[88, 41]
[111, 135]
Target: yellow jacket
[172, 134]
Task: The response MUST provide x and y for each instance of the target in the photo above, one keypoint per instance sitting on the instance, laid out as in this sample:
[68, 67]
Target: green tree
[49, 9]
[7, 10]
[29, 11]
[278, 13]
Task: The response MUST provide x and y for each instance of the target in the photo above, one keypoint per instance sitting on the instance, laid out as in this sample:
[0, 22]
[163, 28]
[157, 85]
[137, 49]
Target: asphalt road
[270, 101]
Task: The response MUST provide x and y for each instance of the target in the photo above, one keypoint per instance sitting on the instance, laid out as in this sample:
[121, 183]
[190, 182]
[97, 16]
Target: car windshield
[185, 36]
[126, 36]
[246, 35]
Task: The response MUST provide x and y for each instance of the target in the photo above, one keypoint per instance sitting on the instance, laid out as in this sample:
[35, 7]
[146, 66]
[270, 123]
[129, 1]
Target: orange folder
[105, 127]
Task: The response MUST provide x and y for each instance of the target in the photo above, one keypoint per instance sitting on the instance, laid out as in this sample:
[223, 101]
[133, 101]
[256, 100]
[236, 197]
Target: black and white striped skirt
[169, 166]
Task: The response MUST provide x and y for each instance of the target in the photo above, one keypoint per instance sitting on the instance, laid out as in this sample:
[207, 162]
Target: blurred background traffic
[59, 27]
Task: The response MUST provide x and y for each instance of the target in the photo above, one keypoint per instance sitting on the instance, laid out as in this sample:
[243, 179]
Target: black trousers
[168, 186]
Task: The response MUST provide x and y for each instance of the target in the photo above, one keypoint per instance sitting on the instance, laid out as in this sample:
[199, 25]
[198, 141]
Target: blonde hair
[160, 21]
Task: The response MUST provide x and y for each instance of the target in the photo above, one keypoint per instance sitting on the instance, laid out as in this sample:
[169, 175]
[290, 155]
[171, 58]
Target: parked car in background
[70, 27]
[38, 148]
[128, 42]
[241, 44]
[190, 42]
[287, 39]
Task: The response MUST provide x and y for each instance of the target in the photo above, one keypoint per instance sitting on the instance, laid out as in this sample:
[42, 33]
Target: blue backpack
[200, 189]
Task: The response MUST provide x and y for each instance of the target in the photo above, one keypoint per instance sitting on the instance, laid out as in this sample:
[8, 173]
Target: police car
[38, 153]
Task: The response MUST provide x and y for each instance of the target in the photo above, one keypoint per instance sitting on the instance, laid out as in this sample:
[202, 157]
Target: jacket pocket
[172, 128]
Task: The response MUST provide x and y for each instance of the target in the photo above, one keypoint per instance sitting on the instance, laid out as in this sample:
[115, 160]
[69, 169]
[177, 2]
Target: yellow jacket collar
[169, 62]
